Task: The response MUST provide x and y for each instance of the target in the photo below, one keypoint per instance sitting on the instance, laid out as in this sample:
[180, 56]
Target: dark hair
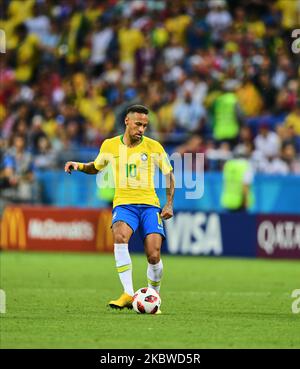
[137, 109]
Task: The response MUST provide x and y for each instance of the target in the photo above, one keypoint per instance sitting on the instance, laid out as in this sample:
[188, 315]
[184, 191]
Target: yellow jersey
[133, 169]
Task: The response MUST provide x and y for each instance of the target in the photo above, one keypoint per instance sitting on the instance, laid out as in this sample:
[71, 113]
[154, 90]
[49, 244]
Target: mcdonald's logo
[13, 230]
[104, 236]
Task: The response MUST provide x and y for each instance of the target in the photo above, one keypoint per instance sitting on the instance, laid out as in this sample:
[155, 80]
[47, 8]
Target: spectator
[293, 119]
[267, 92]
[189, 116]
[245, 137]
[227, 115]
[216, 157]
[18, 168]
[145, 59]
[177, 23]
[4, 179]
[39, 23]
[237, 182]
[290, 14]
[290, 158]
[287, 136]
[196, 86]
[130, 40]
[27, 54]
[218, 18]
[267, 142]
[173, 53]
[45, 157]
[203, 68]
[287, 96]
[100, 40]
[249, 98]
[273, 166]
[283, 164]
[165, 114]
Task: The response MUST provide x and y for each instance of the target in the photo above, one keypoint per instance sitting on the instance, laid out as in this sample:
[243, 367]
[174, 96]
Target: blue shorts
[146, 217]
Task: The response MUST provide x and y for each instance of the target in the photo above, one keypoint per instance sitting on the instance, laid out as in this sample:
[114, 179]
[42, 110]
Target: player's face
[136, 125]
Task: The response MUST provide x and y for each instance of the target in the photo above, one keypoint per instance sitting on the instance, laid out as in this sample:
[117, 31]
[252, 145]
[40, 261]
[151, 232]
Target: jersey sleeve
[103, 157]
[162, 160]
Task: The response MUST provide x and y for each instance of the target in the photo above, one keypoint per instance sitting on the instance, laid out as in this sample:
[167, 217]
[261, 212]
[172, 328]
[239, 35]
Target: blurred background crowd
[219, 78]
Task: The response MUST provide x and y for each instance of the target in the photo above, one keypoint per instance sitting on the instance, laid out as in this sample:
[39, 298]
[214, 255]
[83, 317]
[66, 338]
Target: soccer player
[133, 158]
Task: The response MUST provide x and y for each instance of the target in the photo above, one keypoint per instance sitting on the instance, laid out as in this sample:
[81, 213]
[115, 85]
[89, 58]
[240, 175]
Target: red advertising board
[56, 229]
[73, 229]
[278, 236]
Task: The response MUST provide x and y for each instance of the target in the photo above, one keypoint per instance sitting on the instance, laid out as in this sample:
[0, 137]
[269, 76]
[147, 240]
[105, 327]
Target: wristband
[80, 166]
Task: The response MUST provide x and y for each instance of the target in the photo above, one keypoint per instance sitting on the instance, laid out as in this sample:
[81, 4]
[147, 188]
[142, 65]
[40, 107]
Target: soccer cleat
[124, 301]
[158, 312]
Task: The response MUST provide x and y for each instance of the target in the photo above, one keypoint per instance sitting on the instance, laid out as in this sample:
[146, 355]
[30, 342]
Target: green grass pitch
[58, 300]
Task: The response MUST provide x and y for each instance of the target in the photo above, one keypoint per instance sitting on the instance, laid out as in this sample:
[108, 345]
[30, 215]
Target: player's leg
[153, 235]
[125, 221]
[121, 235]
[152, 244]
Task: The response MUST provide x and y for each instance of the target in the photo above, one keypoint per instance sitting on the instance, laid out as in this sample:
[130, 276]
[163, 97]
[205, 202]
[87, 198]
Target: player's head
[136, 121]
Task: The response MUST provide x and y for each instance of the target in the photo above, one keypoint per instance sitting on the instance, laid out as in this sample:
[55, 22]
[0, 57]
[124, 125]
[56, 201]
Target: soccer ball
[146, 301]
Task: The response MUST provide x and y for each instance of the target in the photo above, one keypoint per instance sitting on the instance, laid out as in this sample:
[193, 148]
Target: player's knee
[154, 258]
[120, 238]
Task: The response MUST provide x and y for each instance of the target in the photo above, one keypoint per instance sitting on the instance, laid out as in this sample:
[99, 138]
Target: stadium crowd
[218, 77]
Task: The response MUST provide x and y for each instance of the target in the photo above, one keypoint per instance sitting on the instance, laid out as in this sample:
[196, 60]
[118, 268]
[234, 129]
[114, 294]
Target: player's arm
[88, 168]
[162, 161]
[92, 167]
[167, 211]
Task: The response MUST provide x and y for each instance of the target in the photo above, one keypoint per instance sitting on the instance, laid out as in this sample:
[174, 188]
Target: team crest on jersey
[144, 156]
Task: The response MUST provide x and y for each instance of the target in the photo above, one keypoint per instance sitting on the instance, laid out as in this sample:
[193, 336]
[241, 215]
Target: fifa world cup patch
[144, 156]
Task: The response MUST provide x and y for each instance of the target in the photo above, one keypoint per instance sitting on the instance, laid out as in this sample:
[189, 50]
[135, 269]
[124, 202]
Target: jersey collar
[122, 136]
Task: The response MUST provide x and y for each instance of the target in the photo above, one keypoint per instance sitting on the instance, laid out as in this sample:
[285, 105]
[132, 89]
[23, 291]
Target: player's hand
[71, 165]
[167, 212]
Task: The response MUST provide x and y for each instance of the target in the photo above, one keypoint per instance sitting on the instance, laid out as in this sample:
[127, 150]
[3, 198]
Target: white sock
[154, 275]
[124, 266]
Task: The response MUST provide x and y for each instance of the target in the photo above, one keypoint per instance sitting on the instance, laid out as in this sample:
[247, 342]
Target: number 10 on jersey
[130, 170]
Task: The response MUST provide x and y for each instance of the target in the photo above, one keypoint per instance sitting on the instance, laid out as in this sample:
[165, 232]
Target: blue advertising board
[200, 233]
